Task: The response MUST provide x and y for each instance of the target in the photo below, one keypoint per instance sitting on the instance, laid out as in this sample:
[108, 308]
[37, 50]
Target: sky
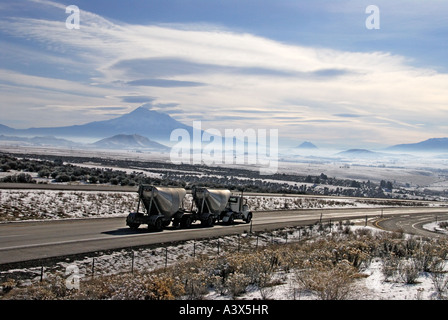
[329, 72]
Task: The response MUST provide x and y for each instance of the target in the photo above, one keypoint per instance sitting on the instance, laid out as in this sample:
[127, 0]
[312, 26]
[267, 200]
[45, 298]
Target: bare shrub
[236, 284]
[256, 268]
[389, 266]
[325, 266]
[439, 277]
[357, 253]
[443, 224]
[8, 285]
[53, 289]
[194, 275]
[328, 283]
[408, 270]
[163, 287]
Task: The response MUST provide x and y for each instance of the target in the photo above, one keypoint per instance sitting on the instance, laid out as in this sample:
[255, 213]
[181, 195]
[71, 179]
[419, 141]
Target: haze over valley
[421, 167]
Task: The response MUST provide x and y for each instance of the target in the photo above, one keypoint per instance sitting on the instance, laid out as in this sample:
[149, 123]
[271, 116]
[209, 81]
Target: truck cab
[236, 208]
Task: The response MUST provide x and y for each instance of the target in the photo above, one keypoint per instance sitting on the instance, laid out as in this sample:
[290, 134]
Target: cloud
[329, 73]
[137, 99]
[347, 115]
[217, 70]
[168, 67]
[163, 83]
[108, 108]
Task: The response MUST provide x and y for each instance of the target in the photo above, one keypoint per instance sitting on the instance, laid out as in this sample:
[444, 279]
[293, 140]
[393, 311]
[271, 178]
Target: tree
[43, 173]
[389, 185]
[62, 178]
[24, 178]
[355, 184]
[93, 179]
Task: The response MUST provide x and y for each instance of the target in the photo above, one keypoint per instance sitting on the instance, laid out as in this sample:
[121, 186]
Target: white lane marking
[12, 235]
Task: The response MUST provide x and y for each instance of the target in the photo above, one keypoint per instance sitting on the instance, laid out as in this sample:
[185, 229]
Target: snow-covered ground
[371, 286]
[419, 171]
[16, 205]
[19, 205]
[434, 226]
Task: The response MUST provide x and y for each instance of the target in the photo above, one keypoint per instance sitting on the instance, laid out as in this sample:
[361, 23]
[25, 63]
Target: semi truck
[165, 205]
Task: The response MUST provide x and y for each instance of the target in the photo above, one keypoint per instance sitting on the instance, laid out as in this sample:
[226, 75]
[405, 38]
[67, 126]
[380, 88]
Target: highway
[413, 224]
[24, 241]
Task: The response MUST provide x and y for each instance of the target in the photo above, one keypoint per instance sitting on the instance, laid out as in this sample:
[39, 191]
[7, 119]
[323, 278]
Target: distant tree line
[58, 169]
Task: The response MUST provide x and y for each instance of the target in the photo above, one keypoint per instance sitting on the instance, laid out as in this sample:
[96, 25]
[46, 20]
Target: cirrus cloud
[246, 79]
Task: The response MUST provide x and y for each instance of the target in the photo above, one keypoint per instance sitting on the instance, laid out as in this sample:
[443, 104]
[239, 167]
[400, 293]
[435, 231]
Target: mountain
[6, 129]
[127, 141]
[306, 145]
[358, 153]
[141, 121]
[40, 141]
[430, 145]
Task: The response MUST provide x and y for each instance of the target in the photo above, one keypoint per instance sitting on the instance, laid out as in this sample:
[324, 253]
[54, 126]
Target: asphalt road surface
[413, 224]
[23, 241]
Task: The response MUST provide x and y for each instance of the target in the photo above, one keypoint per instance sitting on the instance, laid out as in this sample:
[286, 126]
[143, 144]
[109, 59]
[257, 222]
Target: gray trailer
[162, 205]
[210, 204]
[220, 205]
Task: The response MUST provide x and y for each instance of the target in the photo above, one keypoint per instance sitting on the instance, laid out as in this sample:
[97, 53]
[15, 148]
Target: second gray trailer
[220, 205]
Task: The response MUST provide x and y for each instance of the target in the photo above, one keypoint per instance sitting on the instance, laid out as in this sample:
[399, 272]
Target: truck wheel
[249, 217]
[185, 222]
[209, 221]
[231, 220]
[176, 223]
[158, 224]
[166, 223]
[133, 226]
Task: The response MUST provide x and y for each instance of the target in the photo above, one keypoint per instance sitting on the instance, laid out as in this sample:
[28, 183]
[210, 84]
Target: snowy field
[419, 171]
[17, 205]
[370, 285]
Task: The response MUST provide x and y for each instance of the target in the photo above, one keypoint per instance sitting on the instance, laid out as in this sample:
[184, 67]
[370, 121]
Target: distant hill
[141, 121]
[358, 153]
[40, 141]
[126, 141]
[6, 129]
[306, 145]
[430, 145]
